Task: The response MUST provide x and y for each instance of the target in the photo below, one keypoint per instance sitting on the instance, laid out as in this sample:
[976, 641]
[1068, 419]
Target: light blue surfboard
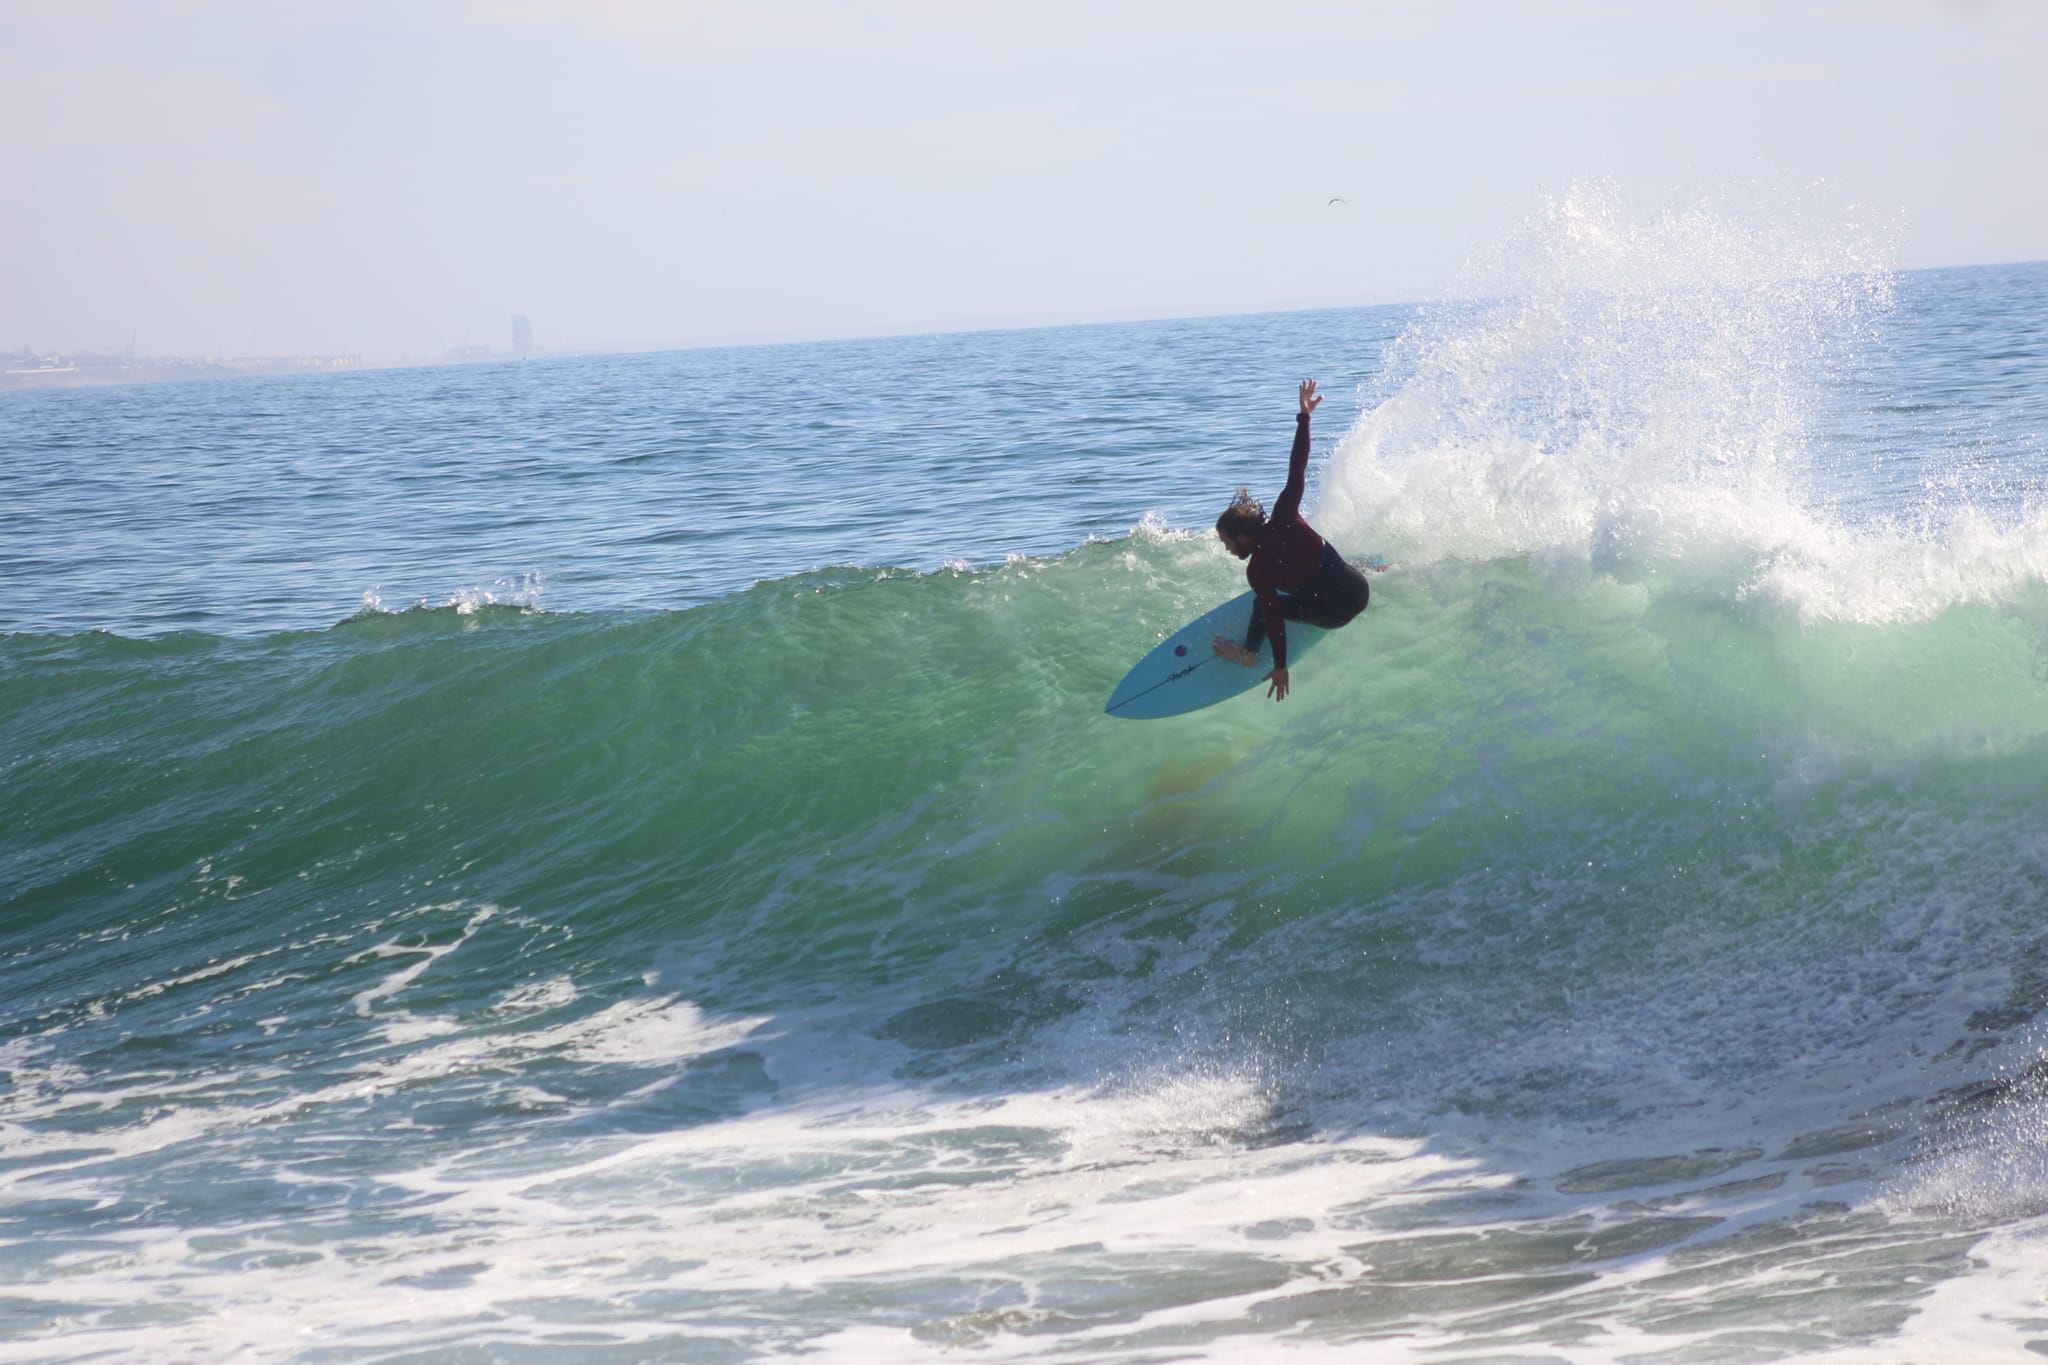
[1185, 673]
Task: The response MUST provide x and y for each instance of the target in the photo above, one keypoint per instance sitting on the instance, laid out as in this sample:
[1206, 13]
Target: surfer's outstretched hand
[1309, 396]
[1233, 651]
[1278, 691]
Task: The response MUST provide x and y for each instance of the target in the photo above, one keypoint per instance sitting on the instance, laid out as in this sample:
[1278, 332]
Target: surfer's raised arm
[1289, 501]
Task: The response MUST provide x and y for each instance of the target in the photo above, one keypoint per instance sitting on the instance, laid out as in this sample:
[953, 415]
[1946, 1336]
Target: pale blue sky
[275, 176]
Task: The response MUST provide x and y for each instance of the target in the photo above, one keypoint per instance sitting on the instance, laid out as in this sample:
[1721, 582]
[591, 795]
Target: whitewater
[621, 858]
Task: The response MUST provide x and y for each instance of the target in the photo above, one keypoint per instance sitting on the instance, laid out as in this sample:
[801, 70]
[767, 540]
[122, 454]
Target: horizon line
[243, 367]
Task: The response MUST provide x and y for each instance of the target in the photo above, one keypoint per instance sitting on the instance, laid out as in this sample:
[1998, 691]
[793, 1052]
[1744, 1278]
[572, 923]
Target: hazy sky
[269, 176]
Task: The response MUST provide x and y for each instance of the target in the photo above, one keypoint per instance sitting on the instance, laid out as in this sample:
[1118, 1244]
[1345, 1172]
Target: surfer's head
[1241, 524]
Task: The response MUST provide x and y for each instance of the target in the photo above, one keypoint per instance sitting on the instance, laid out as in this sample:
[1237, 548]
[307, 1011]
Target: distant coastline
[26, 369]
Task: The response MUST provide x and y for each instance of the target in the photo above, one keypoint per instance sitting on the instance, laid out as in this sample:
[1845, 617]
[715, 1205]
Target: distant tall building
[522, 335]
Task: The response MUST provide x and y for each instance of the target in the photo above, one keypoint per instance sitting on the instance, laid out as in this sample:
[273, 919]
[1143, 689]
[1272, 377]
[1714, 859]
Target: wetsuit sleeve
[1289, 502]
[1286, 507]
[1276, 624]
[1268, 619]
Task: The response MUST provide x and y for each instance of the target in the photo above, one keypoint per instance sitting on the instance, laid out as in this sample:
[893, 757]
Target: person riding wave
[1297, 575]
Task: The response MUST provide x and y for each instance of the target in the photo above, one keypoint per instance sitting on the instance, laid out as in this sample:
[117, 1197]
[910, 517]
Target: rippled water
[722, 925]
[638, 481]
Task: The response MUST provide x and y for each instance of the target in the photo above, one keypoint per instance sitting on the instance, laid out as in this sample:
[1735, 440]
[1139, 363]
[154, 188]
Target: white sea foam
[1016, 1221]
[1998, 1312]
[426, 955]
[540, 995]
[822, 1201]
[526, 591]
[1628, 394]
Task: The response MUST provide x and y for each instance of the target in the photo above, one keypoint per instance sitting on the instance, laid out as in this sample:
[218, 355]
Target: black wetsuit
[1298, 575]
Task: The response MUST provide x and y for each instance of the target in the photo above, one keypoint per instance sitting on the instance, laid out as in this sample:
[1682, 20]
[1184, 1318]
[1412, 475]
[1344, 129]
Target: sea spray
[1613, 393]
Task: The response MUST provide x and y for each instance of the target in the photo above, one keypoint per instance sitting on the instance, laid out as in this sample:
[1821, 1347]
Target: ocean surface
[621, 858]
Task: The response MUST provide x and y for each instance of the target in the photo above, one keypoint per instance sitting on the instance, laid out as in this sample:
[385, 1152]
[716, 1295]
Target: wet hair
[1246, 516]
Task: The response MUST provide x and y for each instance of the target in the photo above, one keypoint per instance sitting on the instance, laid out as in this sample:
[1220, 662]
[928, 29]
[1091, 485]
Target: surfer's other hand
[1278, 691]
[1233, 651]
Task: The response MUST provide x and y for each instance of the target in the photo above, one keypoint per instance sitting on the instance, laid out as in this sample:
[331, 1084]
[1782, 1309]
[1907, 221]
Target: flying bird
[1333, 201]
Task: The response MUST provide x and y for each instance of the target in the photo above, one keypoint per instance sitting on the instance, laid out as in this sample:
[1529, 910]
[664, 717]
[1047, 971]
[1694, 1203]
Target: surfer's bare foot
[1235, 652]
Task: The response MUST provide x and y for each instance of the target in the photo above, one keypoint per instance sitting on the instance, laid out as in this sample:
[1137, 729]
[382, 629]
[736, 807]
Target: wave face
[394, 931]
[1626, 942]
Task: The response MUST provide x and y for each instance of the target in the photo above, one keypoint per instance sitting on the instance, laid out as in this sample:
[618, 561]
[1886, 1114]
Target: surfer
[1297, 575]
